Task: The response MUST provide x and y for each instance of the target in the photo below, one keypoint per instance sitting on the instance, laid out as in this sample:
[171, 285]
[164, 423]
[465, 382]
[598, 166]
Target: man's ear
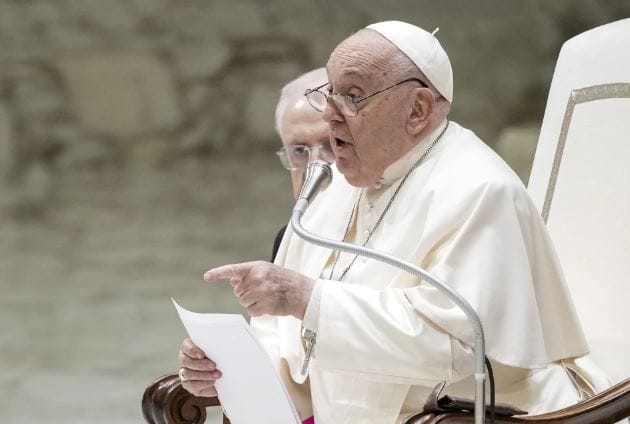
[420, 111]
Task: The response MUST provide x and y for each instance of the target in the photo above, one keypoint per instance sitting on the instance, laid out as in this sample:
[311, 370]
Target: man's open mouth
[339, 142]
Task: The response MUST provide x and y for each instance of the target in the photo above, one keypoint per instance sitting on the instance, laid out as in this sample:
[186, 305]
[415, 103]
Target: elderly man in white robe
[425, 189]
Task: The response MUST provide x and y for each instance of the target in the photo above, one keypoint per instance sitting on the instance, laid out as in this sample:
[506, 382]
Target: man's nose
[331, 112]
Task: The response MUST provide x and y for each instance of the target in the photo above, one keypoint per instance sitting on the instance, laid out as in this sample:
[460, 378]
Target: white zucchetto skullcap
[423, 49]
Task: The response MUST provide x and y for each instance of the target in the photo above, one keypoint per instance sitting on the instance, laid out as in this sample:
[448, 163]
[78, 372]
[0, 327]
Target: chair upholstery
[581, 182]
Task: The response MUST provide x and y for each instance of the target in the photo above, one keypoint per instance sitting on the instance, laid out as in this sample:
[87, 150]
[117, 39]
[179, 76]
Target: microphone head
[318, 177]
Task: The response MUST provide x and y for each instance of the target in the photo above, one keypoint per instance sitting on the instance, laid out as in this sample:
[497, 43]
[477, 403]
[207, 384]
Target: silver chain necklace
[380, 218]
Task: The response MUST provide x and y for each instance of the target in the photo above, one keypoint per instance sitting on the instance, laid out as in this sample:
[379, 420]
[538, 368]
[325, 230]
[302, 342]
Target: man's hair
[295, 89]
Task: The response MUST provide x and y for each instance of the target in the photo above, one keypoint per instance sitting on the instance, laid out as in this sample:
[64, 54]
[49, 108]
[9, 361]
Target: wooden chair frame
[165, 401]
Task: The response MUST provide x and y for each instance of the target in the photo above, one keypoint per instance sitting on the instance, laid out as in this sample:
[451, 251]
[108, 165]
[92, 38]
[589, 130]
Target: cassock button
[378, 185]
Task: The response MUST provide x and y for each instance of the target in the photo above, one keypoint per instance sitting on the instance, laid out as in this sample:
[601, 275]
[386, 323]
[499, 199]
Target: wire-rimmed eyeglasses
[298, 156]
[346, 104]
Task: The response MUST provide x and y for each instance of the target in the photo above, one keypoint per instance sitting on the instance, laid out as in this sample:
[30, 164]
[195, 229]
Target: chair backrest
[580, 180]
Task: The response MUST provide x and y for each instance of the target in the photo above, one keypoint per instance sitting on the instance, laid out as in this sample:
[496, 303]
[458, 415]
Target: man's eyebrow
[347, 85]
[355, 71]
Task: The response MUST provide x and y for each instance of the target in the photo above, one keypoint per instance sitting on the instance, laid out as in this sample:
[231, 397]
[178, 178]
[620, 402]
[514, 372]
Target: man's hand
[264, 288]
[199, 373]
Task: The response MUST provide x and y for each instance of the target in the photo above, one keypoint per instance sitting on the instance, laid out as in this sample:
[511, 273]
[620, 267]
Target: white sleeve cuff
[311, 315]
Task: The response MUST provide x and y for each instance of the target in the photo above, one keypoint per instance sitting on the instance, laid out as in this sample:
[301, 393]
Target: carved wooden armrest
[607, 407]
[165, 401]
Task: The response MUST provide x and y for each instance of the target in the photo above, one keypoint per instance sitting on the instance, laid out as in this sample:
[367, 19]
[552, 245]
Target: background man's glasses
[298, 156]
[346, 104]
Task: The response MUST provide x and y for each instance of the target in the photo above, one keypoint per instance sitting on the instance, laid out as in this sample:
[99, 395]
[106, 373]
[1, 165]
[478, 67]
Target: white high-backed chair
[581, 182]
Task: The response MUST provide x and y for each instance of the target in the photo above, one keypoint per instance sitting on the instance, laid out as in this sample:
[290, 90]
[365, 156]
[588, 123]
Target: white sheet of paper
[250, 390]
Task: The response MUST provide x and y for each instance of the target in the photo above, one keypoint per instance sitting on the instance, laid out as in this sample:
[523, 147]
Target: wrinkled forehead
[364, 56]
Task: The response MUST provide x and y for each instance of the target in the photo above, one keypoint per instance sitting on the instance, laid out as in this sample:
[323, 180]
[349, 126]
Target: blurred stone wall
[94, 84]
[136, 151]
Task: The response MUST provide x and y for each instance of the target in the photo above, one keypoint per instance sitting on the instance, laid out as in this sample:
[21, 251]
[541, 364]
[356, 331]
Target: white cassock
[385, 338]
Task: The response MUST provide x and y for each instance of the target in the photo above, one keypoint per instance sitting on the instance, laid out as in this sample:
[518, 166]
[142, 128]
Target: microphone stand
[319, 173]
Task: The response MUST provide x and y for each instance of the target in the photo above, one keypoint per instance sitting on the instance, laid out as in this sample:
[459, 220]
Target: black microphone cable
[491, 381]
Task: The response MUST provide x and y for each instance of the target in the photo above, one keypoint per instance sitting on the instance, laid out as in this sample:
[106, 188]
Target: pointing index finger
[232, 271]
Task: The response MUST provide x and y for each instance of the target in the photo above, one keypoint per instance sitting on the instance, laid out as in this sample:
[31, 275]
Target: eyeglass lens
[318, 100]
[298, 156]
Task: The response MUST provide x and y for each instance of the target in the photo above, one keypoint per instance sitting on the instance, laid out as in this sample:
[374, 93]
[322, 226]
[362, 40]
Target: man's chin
[343, 167]
[352, 177]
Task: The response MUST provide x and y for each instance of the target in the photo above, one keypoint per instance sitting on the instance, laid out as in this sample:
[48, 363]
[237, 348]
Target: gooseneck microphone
[318, 177]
